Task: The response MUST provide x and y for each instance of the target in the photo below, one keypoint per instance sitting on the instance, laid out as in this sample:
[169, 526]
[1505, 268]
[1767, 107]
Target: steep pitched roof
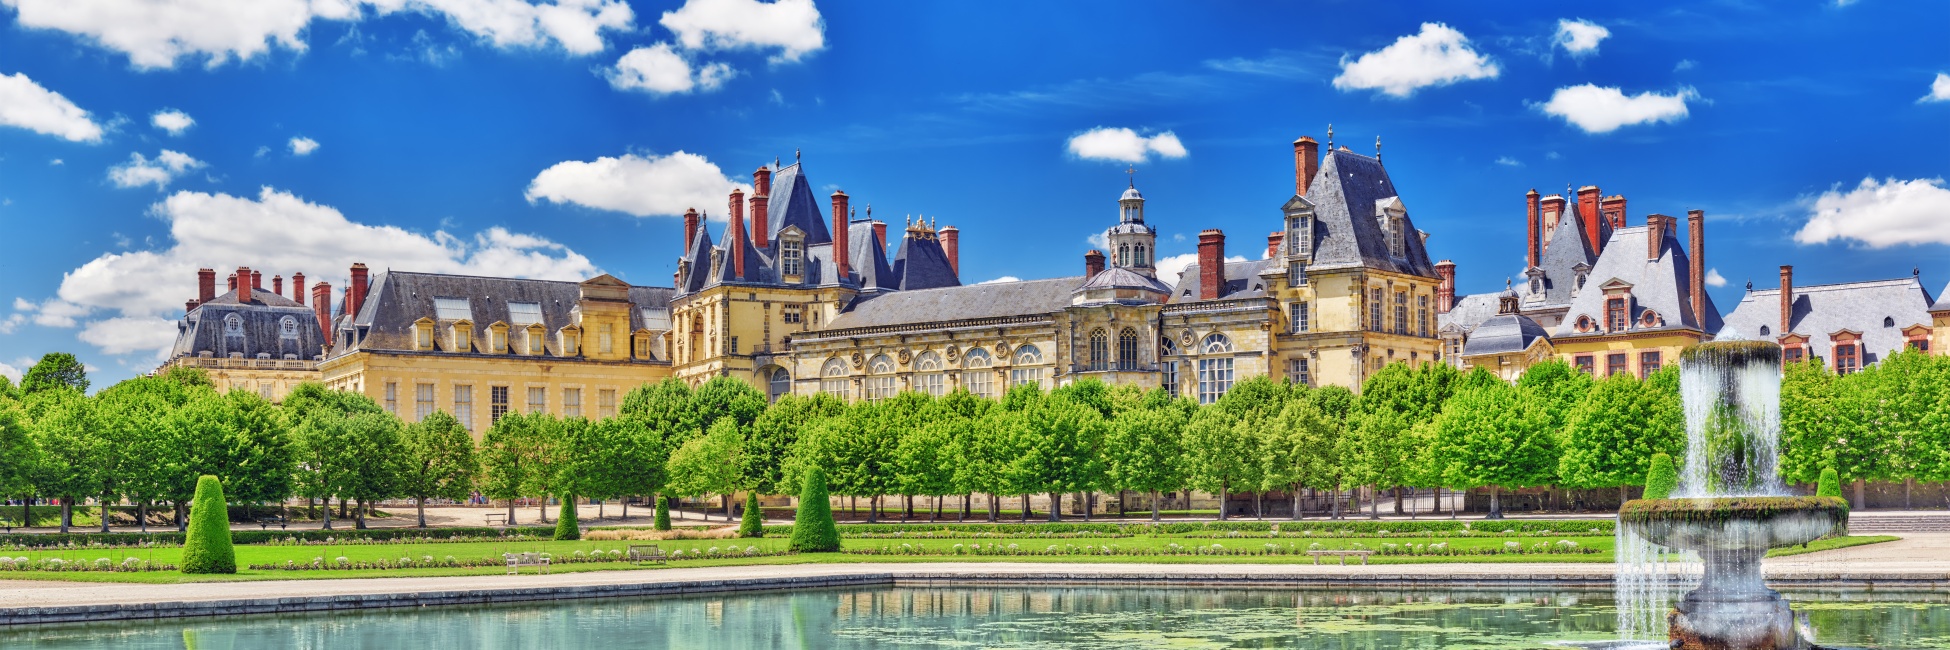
[1345, 193]
[793, 204]
[1823, 309]
[1566, 249]
[271, 325]
[987, 300]
[1663, 285]
[867, 257]
[699, 256]
[1469, 311]
[400, 298]
[1242, 281]
[922, 264]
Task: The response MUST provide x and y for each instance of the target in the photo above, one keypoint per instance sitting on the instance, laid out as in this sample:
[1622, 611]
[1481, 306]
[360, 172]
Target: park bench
[1343, 555]
[518, 560]
[647, 554]
[264, 523]
[494, 516]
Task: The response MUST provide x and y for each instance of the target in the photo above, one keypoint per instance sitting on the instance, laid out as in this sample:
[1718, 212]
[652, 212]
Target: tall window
[1300, 231]
[778, 385]
[927, 374]
[1422, 314]
[497, 403]
[832, 379]
[464, 405]
[1615, 363]
[1026, 355]
[1847, 358]
[1615, 314]
[422, 401]
[1401, 312]
[1166, 350]
[1297, 317]
[1583, 362]
[571, 402]
[1791, 354]
[392, 397]
[264, 390]
[1299, 372]
[537, 399]
[535, 337]
[789, 254]
[976, 375]
[1143, 258]
[1127, 350]
[879, 383]
[606, 403]
[1099, 350]
[1649, 362]
[603, 338]
[1374, 310]
[1215, 373]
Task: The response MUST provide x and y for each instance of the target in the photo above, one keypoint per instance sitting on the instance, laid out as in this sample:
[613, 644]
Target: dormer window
[288, 328]
[498, 338]
[536, 338]
[1615, 318]
[233, 325]
[463, 336]
[452, 309]
[571, 341]
[423, 335]
[640, 345]
[523, 314]
[791, 257]
[603, 338]
[1536, 285]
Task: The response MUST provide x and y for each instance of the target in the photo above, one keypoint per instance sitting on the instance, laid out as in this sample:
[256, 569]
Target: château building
[249, 338]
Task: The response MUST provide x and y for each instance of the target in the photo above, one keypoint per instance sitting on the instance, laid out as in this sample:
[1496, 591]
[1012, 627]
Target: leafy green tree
[661, 418]
[55, 371]
[72, 455]
[1380, 450]
[507, 459]
[1660, 477]
[18, 457]
[378, 460]
[813, 529]
[922, 460]
[610, 459]
[727, 397]
[709, 465]
[148, 463]
[207, 548]
[1059, 455]
[769, 441]
[1144, 451]
[982, 450]
[1496, 436]
[1219, 455]
[439, 461]
[1825, 419]
[1561, 386]
[1614, 431]
[8, 392]
[753, 523]
[549, 456]
[1830, 484]
[1300, 451]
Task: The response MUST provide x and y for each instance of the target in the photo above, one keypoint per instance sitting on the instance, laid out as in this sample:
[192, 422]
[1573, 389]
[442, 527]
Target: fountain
[1730, 507]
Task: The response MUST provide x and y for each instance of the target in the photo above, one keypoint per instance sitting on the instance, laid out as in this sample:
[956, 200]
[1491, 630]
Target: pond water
[1014, 618]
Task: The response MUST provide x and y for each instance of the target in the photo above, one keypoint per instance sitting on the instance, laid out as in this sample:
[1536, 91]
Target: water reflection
[1010, 618]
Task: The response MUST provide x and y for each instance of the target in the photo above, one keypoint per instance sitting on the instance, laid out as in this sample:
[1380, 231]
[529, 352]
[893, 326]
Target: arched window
[1028, 354]
[978, 379]
[1124, 255]
[927, 361]
[976, 358]
[1127, 349]
[833, 368]
[880, 365]
[1020, 375]
[288, 328]
[1141, 260]
[1888, 321]
[1764, 331]
[779, 384]
[1216, 342]
[1099, 350]
[880, 385]
[928, 377]
[233, 325]
[833, 379]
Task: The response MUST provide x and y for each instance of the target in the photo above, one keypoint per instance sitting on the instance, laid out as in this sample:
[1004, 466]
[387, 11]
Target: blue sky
[142, 140]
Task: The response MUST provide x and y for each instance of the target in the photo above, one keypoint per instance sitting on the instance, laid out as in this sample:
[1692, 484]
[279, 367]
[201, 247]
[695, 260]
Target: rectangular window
[537, 399]
[1615, 315]
[1422, 314]
[1649, 362]
[464, 406]
[734, 345]
[497, 403]
[452, 309]
[1791, 354]
[535, 342]
[392, 397]
[980, 382]
[1583, 362]
[523, 314]
[1919, 345]
[606, 403]
[422, 401]
[878, 387]
[264, 390]
[1302, 235]
[1374, 310]
[1298, 372]
[1029, 376]
[933, 384]
[603, 338]
[838, 387]
[571, 402]
[1846, 360]
[1401, 313]
[1297, 316]
[1296, 273]
[1615, 363]
[793, 314]
[789, 257]
[1214, 379]
[1170, 378]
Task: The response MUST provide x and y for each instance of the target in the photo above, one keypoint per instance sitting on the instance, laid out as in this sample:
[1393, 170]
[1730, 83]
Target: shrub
[753, 525]
[1660, 478]
[1830, 484]
[566, 527]
[206, 547]
[663, 512]
[813, 530]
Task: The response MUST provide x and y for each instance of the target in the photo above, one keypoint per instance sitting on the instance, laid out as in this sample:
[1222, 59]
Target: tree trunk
[142, 515]
[1088, 505]
[1909, 484]
[1398, 499]
[1861, 499]
[1374, 503]
[67, 514]
[360, 523]
[311, 508]
[27, 512]
[541, 508]
[1496, 504]
[873, 509]
[328, 514]
[342, 514]
[105, 497]
[1025, 507]
[511, 512]
[727, 505]
[937, 509]
[1259, 505]
[1294, 496]
[1123, 500]
[1225, 494]
[420, 505]
[1055, 507]
[1336, 506]
[626, 508]
[1154, 505]
[600, 503]
[181, 526]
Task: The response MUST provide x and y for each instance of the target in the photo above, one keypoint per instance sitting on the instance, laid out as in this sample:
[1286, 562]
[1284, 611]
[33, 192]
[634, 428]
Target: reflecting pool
[1000, 617]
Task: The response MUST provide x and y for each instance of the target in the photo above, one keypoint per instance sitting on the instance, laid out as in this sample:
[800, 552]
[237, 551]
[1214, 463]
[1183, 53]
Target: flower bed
[127, 565]
[450, 562]
[1560, 547]
[278, 537]
[1225, 529]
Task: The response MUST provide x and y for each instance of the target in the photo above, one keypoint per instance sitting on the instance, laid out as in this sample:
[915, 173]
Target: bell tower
[1133, 244]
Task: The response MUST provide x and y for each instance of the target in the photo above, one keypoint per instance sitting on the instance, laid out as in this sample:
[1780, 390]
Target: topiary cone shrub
[813, 530]
[1660, 478]
[566, 526]
[663, 512]
[206, 547]
[1830, 484]
[753, 525]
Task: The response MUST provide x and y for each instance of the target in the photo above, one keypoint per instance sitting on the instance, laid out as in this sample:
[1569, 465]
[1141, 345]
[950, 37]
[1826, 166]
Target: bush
[1830, 484]
[1660, 478]
[206, 547]
[753, 525]
[1309, 528]
[271, 536]
[813, 530]
[663, 512]
[566, 527]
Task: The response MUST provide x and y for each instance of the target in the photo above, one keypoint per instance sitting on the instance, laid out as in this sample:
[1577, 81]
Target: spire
[1330, 136]
[1132, 173]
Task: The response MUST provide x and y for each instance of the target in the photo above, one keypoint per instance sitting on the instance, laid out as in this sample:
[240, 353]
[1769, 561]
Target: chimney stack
[761, 202]
[1211, 264]
[277, 285]
[206, 285]
[231, 282]
[1588, 213]
[243, 285]
[298, 287]
[737, 237]
[257, 282]
[951, 244]
[1533, 226]
[1445, 293]
[1613, 207]
[1550, 209]
[690, 229]
[1273, 240]
[1093, 263]
[321, 304]
[879, 232]
[1696, 233]
[840, 249]
[1306, 161]
[1656, 226]
[1787, 300]
[355, 295]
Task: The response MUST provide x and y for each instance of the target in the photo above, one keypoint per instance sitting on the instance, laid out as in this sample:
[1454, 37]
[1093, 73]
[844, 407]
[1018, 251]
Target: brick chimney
[206, 285]
[1787, 300]
[243, 284]
[1613, 207]
[840, 249]
[1550, 209]
[1093, 263]
[231, 282]
[1656, 226]
[1445, 293]
[879, 232]
[257, 282]
[1273, 240]
[1696, 233]
[277, 285]
[737, 238]
[951, 244]
[1533, 227]
[1211, 264]
[690, 229]
[298, 287]
[355, 295]
[1588, 214]
[761, 202]
[1306, 161]
[321, 304]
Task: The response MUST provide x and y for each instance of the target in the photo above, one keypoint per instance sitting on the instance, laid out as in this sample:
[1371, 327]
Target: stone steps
[1869, 524]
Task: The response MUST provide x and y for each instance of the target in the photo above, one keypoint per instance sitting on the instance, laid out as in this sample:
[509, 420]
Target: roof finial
[795, 156]
[1330, 137]
[1377, 148]
[1132, 173]
[775, 162]
[1750, 286]
[869, 211]
[1915, 271]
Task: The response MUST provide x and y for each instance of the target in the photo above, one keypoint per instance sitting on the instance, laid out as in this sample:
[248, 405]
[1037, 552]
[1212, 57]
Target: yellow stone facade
[271, 379]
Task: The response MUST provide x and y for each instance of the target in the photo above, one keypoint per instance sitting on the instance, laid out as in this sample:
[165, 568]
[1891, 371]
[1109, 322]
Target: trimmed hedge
[566, 527]
[206, 548]
[1723, 509]
[663, 512]
[1660, 478]
[257, 537]
[1316, 528]
[813, 530]
[753, 524]
[1830, 484]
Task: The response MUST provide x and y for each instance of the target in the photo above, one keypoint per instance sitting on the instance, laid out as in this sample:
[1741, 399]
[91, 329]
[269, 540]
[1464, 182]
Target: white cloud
[1939, 89]
[1602, 110]
[57, 162]
[160, 33]
[27, 105]
[303, 146]
[11, 372]
[1099, 241]
[1880, 214]
[1169, 268]
[1437, 56]
[1508, 161]
[275, 231]
[1124, 145]
[1684, 64]
[1006, 278]
[52, 312]
[172, 120]
[643, 186]
[139, 171]
[792, 26]
[661, 70]
[1714, 279]
[1579, 37]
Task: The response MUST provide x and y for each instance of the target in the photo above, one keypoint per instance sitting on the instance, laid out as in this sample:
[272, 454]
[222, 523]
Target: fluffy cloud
[136, 292]
[1437, 56]
[1880, 214]
[1006, 278]
[27, 105]
[172, 120]
[303, 146]
[1579, 37]
[1603, 110]
[139, 171]
[1124, 145]
[159, 33]
[660, 70]
[643, 186]
[792, 26]
[1507, 161]
[11, 372]
[1939, 89]
[1714, 279]
[1169, 268]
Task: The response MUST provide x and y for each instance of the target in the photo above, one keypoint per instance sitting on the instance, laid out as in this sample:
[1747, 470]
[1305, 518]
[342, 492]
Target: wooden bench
[518, 560]
[1343, 555]
[264, 523]
[493, 516]
[647, 554]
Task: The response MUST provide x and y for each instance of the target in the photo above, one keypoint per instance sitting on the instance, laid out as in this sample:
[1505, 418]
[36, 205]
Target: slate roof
[922, 264]
[269, 324]
[1662, 285]
[1242, 281]
[399, 298]
[1118, 277]
[987, 300]
[1566, 249]
[793, 204]
[1823, 309]
[867, 258]
[1942, 300]
[1467, 312]
[1344, 193]
[699, 255]
[1503, 334]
